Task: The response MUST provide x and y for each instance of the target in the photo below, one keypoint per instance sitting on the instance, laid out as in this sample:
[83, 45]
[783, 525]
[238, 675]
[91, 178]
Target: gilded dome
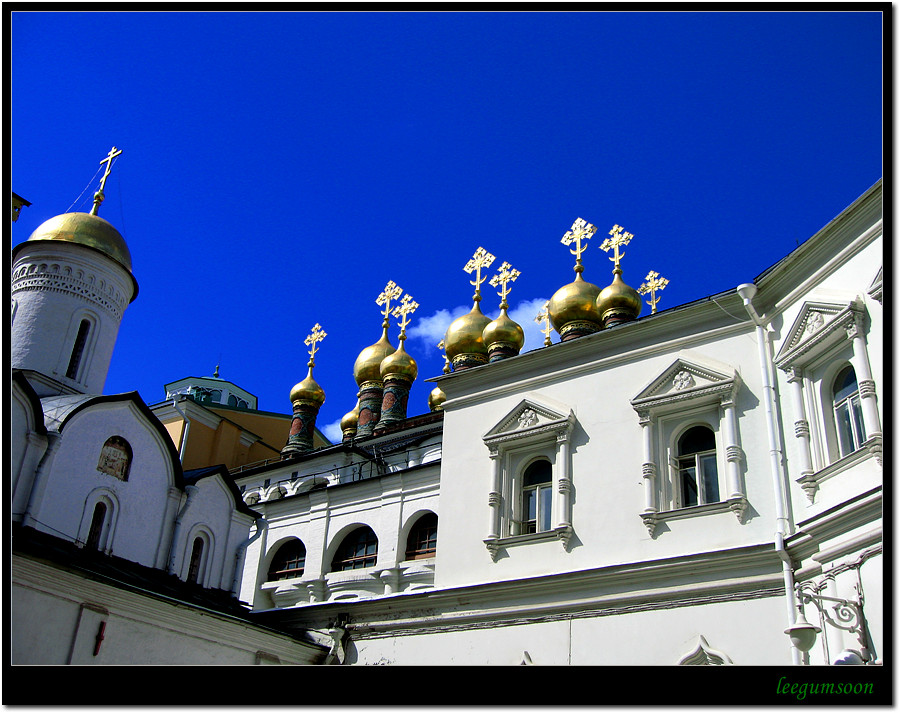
[399, 364]
[436, 399]
[368, 363]
[505, 330]
[465, 335]
[308, 390]
[350, 420]
[618, 302]
[86, 229]
[575, 303]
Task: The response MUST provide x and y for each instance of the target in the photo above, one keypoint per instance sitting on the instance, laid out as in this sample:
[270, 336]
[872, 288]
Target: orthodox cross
[581, 231]
[442, 347]
[98, 196]
[503, 277]
[543, 317]
[481, 258]
[316, 336]
[406, 307]
[653, 283]
[391, 292]
[618, 239]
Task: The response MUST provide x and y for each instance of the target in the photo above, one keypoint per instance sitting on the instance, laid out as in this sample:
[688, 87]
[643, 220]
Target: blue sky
[278, 169]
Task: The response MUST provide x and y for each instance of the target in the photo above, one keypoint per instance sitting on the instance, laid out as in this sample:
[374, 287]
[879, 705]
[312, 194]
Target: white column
[860, 361]
[648, 468]
[564, 485]
[494, 496]
[801, 423]
[732, 449]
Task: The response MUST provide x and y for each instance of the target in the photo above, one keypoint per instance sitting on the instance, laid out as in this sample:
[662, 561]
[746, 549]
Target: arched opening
[95, 533]
[78, 349]
[698, 474]
[289, 561]
[537, 497]
[196, 560]
[422, 540]
[358, 549]
[848, 420]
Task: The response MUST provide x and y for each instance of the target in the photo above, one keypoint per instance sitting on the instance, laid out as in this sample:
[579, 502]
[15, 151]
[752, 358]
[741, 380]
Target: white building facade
[673, 489]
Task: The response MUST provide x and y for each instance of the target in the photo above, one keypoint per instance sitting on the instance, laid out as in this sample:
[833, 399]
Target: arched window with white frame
[697, 480]
[848, 417]
[537, 498]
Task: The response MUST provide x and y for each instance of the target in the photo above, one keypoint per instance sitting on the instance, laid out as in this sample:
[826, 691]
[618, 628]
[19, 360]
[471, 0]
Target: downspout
[782, 524]
[191, 491]
[187, 428]
[40, 474]
[261, 525]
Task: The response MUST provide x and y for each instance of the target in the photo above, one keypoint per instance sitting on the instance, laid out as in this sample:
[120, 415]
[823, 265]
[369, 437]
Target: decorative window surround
[683, 386]
[531, 427]
[875, 289]
[704, 655]
[817, 330]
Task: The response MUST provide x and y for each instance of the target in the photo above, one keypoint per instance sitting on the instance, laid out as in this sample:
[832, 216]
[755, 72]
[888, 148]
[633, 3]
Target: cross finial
[543, 317]
[406, 307]
[481, 259]
[441, 346]
[653, 283]
[581, 231]
[98, 196]
[316, 336]
[618, 239]
[391, 292]
[504, 276]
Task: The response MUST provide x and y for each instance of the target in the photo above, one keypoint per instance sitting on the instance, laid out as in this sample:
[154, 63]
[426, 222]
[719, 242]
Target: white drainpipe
[782, 524]
[261, 525]
[187, 429]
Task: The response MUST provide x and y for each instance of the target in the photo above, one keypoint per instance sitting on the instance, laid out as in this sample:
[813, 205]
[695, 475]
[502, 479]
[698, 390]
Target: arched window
[422, 540]
[288, 562]
[537, 495]
[848, 418]
[115, 458]
[359, 549]
[698, 475]
[196, 560]
[96, 531]
[78, 349]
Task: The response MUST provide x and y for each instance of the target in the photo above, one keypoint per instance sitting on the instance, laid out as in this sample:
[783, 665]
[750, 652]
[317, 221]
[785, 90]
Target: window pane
[845, 384]
[857, 421]
[710, 478]
[696, 440]
[688, 477]
[545, 494]
[530, 505]
[538, 472]
[844, 429]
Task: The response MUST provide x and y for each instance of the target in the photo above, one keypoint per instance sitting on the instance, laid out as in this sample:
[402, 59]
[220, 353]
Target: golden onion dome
[89, 230]
[465, 335]
[350, 420]
[504, 329]
[368, 363]
[308, 391]
[575, 302]
[399, 365]
[618, 302]
[436, 399]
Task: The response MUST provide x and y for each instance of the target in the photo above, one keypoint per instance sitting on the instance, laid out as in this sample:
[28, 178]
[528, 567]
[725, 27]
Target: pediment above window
[687, 380]
[875, 289]
[817, 327]
[530, 418]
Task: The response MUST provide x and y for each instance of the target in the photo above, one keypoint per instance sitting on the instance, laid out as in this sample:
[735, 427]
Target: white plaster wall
[142, 518]
[607, 454]
[750, 632]
[25, 451]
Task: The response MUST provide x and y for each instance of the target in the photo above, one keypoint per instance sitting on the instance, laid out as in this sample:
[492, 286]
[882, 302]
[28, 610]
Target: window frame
[414, 551]
[365, 561]
[287, 573]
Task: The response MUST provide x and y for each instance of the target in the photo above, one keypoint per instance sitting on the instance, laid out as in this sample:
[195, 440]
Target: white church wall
[26, 447]
[140, 522]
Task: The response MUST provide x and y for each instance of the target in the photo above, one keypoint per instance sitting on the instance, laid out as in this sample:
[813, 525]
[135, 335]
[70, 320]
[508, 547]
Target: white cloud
[431, 330]
[524, 314]
[332, 431]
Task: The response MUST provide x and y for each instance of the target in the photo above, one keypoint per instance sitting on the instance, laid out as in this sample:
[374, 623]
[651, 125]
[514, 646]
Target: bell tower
[71, 284]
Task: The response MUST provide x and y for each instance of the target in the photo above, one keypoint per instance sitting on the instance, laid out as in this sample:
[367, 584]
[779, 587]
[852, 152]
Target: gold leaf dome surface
[86, 229]
[368, 363]
[399, 364]
[465, 335]
[576, 301]
[619, 299]
[436, 399]
[309, 391]
[350, 420]
[504, 329]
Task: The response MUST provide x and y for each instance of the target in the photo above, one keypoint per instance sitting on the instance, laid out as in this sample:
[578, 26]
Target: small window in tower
[78, 349]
